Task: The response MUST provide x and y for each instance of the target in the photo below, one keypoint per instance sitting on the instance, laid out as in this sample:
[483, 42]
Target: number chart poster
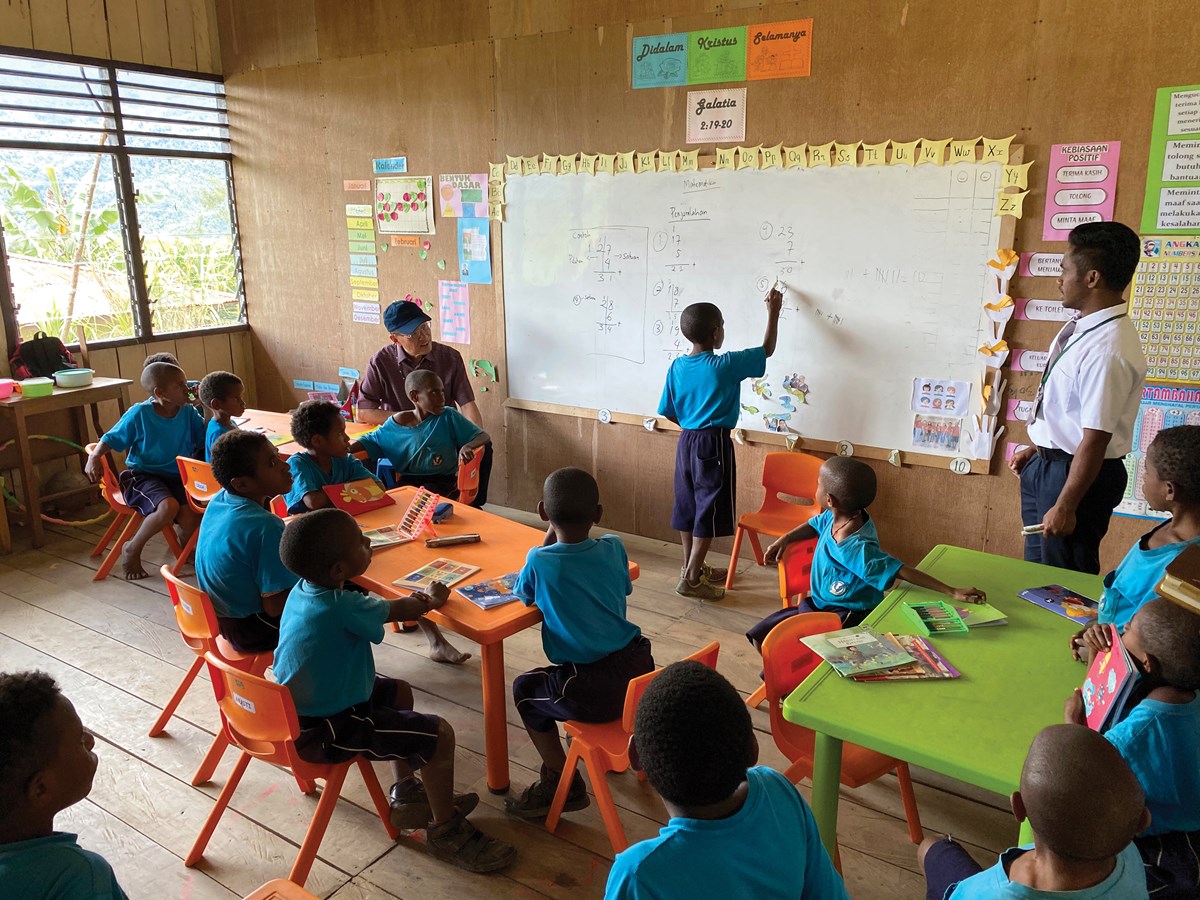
[1164, 306]
[1172, 202]
[1162, 407]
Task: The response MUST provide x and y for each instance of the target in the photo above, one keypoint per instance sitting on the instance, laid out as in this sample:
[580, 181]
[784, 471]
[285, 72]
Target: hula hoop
[11, 498]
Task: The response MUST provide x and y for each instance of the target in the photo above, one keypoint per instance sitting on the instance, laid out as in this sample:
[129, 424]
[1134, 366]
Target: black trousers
[1042, 481]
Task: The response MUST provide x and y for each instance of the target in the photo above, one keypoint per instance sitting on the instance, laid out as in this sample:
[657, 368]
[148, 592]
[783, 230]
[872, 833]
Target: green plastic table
[977, 728]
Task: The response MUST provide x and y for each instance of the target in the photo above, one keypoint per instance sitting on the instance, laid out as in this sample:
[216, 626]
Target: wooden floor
[114, 648]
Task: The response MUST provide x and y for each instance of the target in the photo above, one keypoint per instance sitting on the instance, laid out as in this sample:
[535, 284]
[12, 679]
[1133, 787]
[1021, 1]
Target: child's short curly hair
[216, 386]
[312, 543]
[313, 417]
[1175, 455]
[26, 701]
[235, 455]
[1171, 634]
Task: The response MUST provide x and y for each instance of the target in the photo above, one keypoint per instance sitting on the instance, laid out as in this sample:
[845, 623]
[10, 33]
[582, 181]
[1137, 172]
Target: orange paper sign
[779, 50]
[356, 185]
[406, 240]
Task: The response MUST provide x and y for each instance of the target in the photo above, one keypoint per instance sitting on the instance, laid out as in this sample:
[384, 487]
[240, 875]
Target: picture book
[358, 496]
[443, 570]
[1079, 609]
[1109, 680]
[927, 662]
[857, 651]
[493, 592]
[934, 617]
[980, 615]
[387, 536]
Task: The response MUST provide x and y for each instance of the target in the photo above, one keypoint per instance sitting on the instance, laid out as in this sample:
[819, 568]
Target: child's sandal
[460, 843]
[410, 806]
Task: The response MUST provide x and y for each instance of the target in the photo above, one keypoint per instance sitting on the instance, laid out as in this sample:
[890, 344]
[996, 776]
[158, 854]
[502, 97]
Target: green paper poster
[1172, 203]
[718, 54]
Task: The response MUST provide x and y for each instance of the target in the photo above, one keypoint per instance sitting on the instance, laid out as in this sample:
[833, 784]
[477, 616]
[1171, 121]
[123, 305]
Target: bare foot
[444, 652]
[131, 563]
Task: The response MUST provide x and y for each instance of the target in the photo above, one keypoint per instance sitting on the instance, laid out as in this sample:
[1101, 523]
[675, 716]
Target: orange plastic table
[502, 550]
[274, 423]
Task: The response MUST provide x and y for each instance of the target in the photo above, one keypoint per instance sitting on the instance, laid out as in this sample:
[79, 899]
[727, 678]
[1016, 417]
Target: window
[116, 201]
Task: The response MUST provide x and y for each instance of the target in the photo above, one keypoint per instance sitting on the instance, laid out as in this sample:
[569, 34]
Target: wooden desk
[274, 423]
[21, 408]
[502, 550]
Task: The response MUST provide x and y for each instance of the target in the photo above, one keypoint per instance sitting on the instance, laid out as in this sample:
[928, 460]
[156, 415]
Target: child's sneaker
[410, 806]
[716, 576]
[701, 590]
[460, 843]
[535, 800]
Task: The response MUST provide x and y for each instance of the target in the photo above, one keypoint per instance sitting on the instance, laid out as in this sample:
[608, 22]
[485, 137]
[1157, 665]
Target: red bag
[40, 357]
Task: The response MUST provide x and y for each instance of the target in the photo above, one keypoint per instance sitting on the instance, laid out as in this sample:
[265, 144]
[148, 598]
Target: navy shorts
[946, 864]
[374, 729]
[757, 634]
[1172, 864]
[584, 692]
[705, 483]
[145, 492]
[250, 634]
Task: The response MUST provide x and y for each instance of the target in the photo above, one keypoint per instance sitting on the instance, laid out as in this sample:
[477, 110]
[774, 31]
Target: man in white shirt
[1082, 423]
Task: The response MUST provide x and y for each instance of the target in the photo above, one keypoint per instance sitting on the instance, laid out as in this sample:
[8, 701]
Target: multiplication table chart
[1165, 307]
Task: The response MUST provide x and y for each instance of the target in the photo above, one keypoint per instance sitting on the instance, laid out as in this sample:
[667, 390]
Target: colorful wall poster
[463, 195]
[1173, 173]
[1164, 304]
[402, 204]
[718, 54]
[941, 397]
[474, 250]
[1081, 186]
[454, 309]
[716, 116]
[659, 61]
[779, 50]
[1162, 407]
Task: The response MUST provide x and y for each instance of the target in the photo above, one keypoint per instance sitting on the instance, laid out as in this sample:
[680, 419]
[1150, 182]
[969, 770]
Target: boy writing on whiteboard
[702, 396]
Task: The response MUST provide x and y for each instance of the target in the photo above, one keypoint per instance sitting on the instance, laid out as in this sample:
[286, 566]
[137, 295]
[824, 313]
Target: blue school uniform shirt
[1131, 584]
[324, 653]
[852, 574]
[1127, 882]
[56, 868]
[704, 390]
[721, 858]
[581, 590]
[152, 441]
[1161, 743]
[237, 555]
[307, 477]
[214, 430]
[428, 448]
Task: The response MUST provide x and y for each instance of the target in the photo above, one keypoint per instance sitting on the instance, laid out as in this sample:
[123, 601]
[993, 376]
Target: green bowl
[37, 387]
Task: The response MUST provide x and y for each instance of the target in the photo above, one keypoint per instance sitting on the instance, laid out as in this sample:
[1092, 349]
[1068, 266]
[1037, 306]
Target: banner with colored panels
[1162, 407]
[1172, 203]
[738, 53]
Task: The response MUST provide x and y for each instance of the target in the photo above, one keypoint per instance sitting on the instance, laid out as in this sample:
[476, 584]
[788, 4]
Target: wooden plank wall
[319, 87]
[179, 34]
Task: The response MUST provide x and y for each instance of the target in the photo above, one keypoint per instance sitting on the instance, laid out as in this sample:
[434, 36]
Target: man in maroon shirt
[412, 347]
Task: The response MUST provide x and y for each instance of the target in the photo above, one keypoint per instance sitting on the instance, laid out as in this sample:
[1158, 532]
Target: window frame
[131, 233]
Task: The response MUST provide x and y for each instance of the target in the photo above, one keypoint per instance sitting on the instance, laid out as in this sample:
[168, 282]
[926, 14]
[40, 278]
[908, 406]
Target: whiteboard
[884, 265]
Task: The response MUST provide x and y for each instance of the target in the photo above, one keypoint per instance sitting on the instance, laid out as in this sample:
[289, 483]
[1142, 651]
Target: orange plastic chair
[787, 662]
[604, 747]
[280, 890]
[279, 506]
[468, 476]
[197, 622]
[259, 717]
[125, 523]
[794, 474]
[795, 579]
[200, 486]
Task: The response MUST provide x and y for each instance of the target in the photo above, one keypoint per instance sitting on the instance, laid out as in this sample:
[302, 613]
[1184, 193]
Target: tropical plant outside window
[116, 202]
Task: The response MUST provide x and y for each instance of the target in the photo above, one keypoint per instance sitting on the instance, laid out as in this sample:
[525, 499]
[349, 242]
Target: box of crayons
[935, 617]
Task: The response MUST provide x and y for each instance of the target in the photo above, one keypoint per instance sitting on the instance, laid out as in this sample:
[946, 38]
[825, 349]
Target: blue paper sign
[390, 166]
[301, 385]
[328, 386]
[660, 60]
[368, 271]
[347, 372]
[474, 251]
[363, 259]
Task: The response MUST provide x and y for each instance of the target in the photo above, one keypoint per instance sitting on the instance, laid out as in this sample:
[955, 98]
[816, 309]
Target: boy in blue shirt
[426, 443]
[1159, 737]
[153, 433]
[694, 740]
[221, 393]
[850, 572]
[580, 584]
[1171, 484]
[318, 427]
[346, 709]
[46, 764]
[702, 396]
[237, 553]
[1084, 806]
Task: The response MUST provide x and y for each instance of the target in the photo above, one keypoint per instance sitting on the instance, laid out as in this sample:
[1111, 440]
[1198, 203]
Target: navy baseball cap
[403, 317]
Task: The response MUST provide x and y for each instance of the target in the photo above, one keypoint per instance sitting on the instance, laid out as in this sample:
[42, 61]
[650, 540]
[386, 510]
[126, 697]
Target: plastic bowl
[69, 378]
[7, 385]
[37, 387]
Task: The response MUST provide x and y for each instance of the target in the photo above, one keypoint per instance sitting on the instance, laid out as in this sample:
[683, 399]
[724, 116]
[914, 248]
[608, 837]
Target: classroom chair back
[603, 747]
[795, 579]
[793, 474]
[280, 890]
[468, 476]
[125, 523]
[278, 506]
[787, 661]
[259, 717]
[197, 621]
[199, 486]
